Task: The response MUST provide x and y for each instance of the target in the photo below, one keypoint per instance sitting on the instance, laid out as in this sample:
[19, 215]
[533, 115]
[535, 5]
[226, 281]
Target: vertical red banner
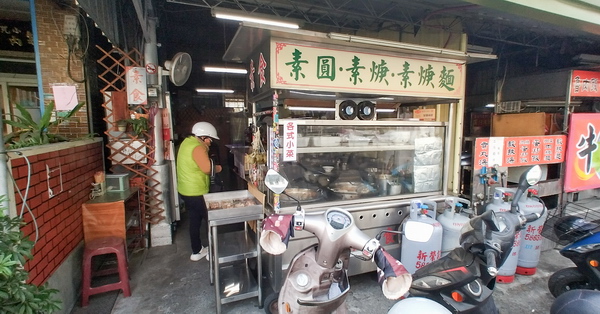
[582, 168]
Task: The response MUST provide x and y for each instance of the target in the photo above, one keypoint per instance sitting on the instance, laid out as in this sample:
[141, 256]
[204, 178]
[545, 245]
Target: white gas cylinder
[416, 252]
[452, 220]
[501, 203]
[531, 241]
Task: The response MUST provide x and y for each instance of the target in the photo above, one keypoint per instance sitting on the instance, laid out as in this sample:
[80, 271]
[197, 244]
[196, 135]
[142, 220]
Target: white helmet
[204, 129]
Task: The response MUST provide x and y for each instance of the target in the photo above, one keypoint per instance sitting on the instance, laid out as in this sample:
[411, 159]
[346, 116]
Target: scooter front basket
[575, 222]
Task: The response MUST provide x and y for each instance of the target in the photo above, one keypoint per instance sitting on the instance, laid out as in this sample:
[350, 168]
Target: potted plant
[122, 125]
[31, 133]
[17, 296]
[139, 125]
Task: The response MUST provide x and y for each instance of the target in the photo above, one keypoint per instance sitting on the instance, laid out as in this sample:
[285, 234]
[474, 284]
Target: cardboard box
[519, 124]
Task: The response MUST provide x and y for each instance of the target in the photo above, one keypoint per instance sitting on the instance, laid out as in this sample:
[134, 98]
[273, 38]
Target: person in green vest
[194, 168]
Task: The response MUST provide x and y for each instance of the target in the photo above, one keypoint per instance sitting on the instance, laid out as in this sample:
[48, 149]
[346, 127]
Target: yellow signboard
[304, 67]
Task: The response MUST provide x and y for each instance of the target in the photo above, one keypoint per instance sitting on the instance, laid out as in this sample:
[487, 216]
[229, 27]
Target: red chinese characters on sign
[522, 151]
[290, 141]
[136, 85]
[262, 65]
[427, 257]
[585, 84]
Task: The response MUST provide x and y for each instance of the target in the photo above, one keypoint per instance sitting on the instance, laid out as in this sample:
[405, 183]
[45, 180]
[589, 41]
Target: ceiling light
[241, 16]
[394, 44]
[310, 109]
[490, 105]
[225, 70]
[385, 110]
[209, 90]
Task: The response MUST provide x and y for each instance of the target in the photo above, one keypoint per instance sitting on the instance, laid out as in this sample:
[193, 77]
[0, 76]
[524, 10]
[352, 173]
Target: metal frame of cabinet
[415, 125]
[230, 252]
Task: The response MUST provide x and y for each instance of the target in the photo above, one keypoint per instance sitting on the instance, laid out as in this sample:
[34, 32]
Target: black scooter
[463, 280]
[582, 240]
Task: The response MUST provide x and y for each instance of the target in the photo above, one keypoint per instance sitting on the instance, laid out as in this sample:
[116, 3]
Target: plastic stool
[101, 246]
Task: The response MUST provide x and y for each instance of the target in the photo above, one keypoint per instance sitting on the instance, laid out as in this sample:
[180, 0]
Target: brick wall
[53, 59]
[58, 218]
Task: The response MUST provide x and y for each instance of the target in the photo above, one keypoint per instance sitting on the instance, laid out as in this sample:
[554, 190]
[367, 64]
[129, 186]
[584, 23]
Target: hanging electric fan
[179, 68]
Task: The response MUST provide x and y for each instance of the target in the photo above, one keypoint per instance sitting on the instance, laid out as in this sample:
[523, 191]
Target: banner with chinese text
[305, 67]
[136, 85]
[585, 84]
[582, 168]
[290, 141]
[519, 151]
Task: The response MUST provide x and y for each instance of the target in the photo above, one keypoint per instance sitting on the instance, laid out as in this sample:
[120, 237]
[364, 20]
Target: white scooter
[317, 279]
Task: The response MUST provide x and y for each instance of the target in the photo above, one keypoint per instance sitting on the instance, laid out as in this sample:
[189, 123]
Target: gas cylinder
[415, 252]
[531, 241]
[452, 220]
[501, 203]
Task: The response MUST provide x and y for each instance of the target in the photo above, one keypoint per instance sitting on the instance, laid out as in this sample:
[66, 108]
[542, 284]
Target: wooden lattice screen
[134, 153]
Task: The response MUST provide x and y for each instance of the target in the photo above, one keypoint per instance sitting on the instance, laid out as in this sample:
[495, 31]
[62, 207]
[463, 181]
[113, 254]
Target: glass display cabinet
[336, 162]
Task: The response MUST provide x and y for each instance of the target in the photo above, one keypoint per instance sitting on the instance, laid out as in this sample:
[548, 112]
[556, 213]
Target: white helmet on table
[204, 129]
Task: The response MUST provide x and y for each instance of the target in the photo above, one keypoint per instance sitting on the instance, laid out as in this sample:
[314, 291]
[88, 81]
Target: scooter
[580, 301]
[582, 240]
[464, 279]
[317, 279]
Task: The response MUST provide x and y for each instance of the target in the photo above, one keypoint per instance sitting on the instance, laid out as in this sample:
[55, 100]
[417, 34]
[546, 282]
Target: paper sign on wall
[65, 97]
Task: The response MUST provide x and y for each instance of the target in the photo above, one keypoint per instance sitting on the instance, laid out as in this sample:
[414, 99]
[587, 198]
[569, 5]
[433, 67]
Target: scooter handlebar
[394, 279]
[490, 256]
[532, 217]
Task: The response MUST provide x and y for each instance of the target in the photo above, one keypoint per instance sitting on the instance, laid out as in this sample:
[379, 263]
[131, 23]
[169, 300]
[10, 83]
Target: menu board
[519, 151]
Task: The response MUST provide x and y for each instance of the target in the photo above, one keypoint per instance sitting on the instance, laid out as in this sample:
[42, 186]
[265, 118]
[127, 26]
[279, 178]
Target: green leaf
[45, 119]
[25, 114]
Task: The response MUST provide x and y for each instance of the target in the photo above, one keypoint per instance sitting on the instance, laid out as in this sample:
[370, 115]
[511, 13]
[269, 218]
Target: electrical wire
[24, 198]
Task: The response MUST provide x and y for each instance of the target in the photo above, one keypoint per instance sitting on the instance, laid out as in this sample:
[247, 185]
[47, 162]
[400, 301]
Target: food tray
[233, 204]
[324, 141]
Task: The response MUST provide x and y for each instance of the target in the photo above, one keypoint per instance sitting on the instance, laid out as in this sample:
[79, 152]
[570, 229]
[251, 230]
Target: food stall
[353, 122]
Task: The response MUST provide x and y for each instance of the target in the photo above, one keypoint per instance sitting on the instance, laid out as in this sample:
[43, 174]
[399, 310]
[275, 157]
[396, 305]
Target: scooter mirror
[418, 231]
[275, 181]
[527, 179]
[534, 175]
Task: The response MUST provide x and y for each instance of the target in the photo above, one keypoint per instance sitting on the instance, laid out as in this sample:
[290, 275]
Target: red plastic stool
[101, 246]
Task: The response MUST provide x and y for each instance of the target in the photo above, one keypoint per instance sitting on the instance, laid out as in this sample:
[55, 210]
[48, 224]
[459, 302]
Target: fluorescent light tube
[385, 110]
[490, 105]
[310, 109]
[244, 17]
[209, 90]
[225, 70]
[394, 44]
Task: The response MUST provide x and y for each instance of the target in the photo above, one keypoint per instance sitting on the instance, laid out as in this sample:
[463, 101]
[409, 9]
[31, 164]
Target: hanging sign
[305, 67]
[582, 168]
[16, 36]
[136, 85]
[519, 151]
[290, 141]
[585, 84]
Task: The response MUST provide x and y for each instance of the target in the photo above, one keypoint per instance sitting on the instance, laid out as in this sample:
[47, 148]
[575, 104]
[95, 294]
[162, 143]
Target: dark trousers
[197, 213]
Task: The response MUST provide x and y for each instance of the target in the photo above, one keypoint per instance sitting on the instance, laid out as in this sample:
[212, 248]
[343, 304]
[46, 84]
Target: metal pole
[3, 173]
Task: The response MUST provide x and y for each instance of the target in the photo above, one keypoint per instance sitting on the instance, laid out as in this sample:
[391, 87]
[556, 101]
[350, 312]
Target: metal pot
[350, 190]
[301, 194]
